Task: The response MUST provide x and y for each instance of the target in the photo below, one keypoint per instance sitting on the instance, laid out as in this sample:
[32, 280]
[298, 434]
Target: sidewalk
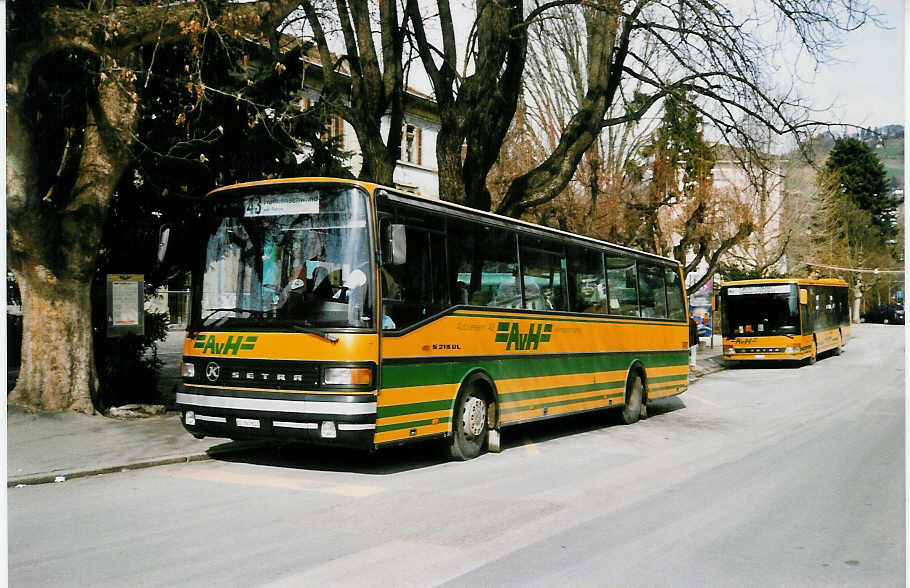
[48, 447]
[42, 447]
[709, 360]
[45, 447]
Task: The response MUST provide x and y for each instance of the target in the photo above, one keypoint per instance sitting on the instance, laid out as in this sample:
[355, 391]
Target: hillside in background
[888, 142]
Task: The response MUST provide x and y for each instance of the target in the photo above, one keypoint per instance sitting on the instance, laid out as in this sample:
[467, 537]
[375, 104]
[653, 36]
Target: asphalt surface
[772, 476]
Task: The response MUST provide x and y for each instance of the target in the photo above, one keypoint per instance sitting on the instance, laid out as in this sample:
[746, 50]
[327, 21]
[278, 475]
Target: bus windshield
[288, 260]
[760, 310]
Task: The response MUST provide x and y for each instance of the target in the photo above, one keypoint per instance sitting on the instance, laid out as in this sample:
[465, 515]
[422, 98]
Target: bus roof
[800, 281]
[372, 186]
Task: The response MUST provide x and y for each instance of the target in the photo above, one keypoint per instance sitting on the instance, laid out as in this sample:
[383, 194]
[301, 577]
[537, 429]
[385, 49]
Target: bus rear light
[342, 376]
[189, 418]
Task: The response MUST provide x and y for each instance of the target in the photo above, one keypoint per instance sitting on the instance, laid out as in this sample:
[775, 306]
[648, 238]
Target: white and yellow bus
[336, 311]
[783, 319]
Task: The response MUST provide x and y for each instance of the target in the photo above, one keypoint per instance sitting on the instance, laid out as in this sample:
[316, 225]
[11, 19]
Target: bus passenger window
[676, 302]
[542, 272]
[652, 295]
[587, 283]
[484, 260]
[622, 284]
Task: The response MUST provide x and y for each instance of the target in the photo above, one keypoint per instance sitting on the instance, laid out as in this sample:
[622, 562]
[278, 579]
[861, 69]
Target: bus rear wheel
[631, 412]
[469, 426]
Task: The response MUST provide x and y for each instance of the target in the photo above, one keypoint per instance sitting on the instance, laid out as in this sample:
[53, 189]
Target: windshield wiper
[192, 332]
[327, 336]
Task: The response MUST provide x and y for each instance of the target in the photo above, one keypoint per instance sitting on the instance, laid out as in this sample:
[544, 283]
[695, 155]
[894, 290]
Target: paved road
[762, 477]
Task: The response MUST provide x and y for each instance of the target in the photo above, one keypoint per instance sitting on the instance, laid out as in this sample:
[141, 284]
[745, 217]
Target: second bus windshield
[761, 310]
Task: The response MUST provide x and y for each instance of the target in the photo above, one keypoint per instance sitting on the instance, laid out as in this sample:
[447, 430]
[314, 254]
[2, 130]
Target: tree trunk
[58, 367]
[53, 248]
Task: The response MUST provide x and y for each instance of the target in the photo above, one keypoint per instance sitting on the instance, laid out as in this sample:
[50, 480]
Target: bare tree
[55, 217]
[705, 50]
[363, 84]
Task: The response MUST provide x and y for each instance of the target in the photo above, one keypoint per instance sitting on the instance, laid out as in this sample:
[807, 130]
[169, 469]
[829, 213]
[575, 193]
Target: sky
[866, 85]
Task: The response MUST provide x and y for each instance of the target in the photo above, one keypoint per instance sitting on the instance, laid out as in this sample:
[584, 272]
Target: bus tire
[631, 411]
[469, 423]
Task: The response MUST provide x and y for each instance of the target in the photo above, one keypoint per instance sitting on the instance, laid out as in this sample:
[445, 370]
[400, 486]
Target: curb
[715, 366]
[210, 453]
[34, 480]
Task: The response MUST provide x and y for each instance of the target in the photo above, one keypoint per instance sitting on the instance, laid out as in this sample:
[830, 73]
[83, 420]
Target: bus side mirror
[803, 296]
[398, 244]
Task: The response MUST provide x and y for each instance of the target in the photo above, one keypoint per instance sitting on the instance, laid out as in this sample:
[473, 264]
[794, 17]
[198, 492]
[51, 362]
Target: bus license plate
[250, 423]
[760, 356]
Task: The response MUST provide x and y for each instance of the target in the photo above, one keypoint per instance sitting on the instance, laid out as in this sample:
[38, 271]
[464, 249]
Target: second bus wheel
[469, 425]
[631, 412]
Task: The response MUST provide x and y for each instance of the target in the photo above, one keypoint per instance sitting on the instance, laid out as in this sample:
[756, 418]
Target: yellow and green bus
[341, 312]
[783, 319]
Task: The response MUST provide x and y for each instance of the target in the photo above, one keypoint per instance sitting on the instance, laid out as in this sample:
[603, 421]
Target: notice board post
[125, 308]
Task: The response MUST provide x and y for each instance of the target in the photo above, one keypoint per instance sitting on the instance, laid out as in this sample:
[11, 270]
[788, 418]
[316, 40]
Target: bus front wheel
[469, 425]
[631, 412]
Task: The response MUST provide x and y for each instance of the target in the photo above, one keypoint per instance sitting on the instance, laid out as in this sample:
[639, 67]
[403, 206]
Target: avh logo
[509, 334]
[208, 344]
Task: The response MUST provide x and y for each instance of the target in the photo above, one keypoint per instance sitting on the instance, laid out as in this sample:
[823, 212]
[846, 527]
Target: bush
[128, 366]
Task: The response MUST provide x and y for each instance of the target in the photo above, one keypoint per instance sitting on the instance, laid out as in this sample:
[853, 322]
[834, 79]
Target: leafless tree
[706, 50]
[55, 221]
[363, 84]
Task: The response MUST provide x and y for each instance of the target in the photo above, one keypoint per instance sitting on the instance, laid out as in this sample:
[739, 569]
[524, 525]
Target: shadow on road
[421, 454]
[333, 459]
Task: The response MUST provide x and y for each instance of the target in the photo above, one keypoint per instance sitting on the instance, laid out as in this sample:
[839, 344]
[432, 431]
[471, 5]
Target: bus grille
[277, 375]
[761, 350]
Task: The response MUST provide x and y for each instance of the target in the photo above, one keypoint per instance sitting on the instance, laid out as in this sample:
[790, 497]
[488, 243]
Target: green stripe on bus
[413, 408]
[411, 425]
[560, 391]
[561, 403]
[421, 373]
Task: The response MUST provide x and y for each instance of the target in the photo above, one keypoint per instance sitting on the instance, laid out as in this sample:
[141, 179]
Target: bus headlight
[344, 376]
[791, 349]
[189, 370]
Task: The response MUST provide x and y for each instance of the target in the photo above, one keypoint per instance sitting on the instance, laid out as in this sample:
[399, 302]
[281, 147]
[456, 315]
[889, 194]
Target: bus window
[415, 290]
[542, 274]
[587, 282]
[652, 294]
[485, 264]
[676, 302]
[622, 284]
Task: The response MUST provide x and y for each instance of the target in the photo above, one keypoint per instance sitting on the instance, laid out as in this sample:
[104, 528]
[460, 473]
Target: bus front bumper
[346, 420]
[734, 355]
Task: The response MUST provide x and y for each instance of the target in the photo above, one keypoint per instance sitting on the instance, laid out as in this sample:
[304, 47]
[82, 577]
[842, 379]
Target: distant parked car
[887, 314]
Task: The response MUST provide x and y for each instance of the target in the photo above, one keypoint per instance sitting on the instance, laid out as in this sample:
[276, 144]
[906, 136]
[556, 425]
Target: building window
[410, 144]
[333, 125]
[335, 129]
